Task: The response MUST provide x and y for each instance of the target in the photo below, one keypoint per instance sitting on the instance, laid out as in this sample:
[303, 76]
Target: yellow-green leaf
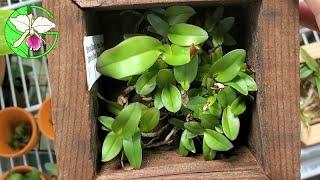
[171, 98]
[158, 24]
[217, 141]
[111, 146]
[176, 55]
[179, 14]
[149, 119]
[146, 83]
[187, 34]
[230, 124]
[133, 150]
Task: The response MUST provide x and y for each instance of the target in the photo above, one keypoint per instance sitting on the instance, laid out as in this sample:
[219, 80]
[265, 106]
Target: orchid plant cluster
[182, 89]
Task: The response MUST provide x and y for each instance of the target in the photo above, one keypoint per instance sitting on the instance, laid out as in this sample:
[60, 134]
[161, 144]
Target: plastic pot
[21, 169]
[9, 119]
[45, 119]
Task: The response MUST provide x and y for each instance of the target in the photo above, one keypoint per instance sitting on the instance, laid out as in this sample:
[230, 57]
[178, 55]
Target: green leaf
[127, 121]
[187, 142]
[112, 107]
[157, 101]
[106, 121]
[183, 150]
[187, 34]
[196, 103]
[32, 175]
[305, 72]
[51, 168]
[187, 73]
[226, 24]
[215, 109]
[229, 65]
[194, 127]
[226, 96]
[165, 77]
[4, 49]
[159, 25]
[15, 176]
[229, 40]
[133, 150]
[171, 98]
[217, 141]
[317, 80]
[217, 38]
[179, 14]
[176, 55]
[251, 84]
[131, 57]
[230, 124]
[149, 119]
[238, 106]
[201, 91]
[311, 62]
[127, 36]
[208, 121]
[111, 147]
[146, 83]
[208, 153]
[239, 84]
[177, 123]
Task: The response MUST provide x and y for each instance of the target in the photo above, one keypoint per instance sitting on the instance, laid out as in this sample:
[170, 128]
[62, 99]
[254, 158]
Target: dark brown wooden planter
[272, 150]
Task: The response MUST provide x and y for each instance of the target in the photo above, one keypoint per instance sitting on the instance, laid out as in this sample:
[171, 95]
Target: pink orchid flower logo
[32, 29]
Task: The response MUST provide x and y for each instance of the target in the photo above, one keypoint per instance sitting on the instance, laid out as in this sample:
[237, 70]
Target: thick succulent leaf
[128, 120]
[311, 62]
[226, 96]
[187, 142]
[217, 141]
[217, 38]
[177, 123]
[208, 153]
[111, 146]
[112, 107]
[176, 55]
[196, 103]
[149, 119]
[251, 84]
[133, 150]
[208, 121]
[158, 24]
[226, 24]
[238, 106]
[171, 98]
[230, 124]
[187, 34]
[239, 84]
[194, 127]
[165, 77]
[158, 101]
[305, 72]
[183, 150]
[179, 14]
[106, 121]
[187, 73]
[131, 57]
[228, 67]
[146, 83]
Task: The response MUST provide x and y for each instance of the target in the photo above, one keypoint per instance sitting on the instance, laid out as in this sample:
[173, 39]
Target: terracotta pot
[45, 119]
[2, 69]
[21, 169]
[9, 119]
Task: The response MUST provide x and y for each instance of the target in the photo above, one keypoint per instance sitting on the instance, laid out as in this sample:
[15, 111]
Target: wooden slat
[274, 54]
[73, 106]
[144, 3]
[170, 165]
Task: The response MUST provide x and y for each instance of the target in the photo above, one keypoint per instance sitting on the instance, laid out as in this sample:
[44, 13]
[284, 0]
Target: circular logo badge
[24, 32]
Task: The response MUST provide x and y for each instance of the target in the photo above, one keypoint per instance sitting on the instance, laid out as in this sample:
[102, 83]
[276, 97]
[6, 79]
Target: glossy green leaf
[251, 84]
[230, 124]
[226, 96]
[149, 119]
[187, 142]
[179, 14]
[219, 129]
[238, 106]
[112, 107]
[127, 36]
[187, 73]
[311, 62]
[171, 98]
[226, 24]
[197, 92]
[217, 141]
[317, 80]
[194, 127]
[158, 101]
[228, 40]
[111, 146]
[215, 109]
[126, 123]
[106, 121]
[176, 55]
[4, 49]
[196, 103]
[239, 84]
[158, 24]
[131, 57]
[177, 123]
[187, 34]
[305, 72]
[228, 67]
[165, 77]
[208, 121]
[133, 150]
[183, 150]
[146, 83]
[217, 38]
[208, 153]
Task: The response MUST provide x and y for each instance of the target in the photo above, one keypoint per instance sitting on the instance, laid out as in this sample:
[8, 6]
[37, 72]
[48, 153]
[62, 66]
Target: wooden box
[272, 147]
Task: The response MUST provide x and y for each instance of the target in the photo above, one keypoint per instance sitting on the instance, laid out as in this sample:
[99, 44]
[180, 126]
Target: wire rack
[26, 85]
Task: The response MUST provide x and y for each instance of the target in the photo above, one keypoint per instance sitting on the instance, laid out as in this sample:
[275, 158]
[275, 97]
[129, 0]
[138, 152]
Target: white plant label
[93, 47]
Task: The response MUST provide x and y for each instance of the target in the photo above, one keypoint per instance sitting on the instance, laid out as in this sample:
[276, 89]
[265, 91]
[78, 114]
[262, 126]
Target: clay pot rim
[19, 169]
[41, 111]
[34, 132]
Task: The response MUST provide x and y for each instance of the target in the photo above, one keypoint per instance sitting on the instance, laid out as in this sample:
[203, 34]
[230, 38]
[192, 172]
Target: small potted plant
[19, 132]
[184, 87]
[23, 173]
[52, 169]
[45, 119]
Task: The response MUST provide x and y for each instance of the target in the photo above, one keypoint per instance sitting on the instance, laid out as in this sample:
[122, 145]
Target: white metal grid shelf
[33, 77]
